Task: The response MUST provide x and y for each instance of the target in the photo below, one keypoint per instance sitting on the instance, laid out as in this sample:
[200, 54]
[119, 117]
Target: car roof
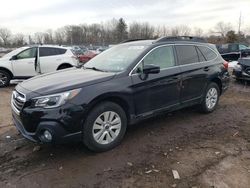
[155, 43]
[49, 46]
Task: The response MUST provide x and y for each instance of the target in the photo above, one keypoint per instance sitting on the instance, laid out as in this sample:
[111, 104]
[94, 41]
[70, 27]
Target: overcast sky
[29, 16]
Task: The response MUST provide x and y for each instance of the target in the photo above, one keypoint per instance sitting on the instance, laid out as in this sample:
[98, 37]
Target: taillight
[225, 64]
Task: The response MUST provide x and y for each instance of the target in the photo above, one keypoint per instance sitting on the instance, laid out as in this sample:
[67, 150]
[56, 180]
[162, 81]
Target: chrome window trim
[131, 72]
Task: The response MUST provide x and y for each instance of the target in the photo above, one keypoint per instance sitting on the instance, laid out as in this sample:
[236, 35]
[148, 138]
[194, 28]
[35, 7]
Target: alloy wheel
[3, 79]
[211, 98]
[107, 127]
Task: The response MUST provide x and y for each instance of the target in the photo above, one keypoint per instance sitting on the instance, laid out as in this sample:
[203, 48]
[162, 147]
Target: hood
[64, 80]
[4, 59]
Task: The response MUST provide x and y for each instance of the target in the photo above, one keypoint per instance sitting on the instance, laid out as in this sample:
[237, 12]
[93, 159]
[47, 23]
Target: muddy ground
[210, 150]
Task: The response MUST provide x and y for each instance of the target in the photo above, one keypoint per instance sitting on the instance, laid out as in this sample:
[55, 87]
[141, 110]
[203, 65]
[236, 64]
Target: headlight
[55, 100]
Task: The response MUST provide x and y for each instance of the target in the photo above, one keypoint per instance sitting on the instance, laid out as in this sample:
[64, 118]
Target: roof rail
[131, 40]
[181, 38]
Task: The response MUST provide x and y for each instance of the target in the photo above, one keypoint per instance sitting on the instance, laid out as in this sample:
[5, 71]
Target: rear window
[207, 52]
[187, 54]
[48, 51]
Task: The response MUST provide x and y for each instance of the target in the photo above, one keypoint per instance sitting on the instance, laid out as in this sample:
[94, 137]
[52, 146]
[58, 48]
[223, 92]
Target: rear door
[194, 72]
[50, 58]
[24, 64]
[156, 91]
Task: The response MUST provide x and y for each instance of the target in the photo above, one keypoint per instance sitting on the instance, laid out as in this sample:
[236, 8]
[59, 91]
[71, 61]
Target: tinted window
[208, 53]
[163, 57]
[187, 54]
[242, 47]
[47, 51]
[29, 53]
[200, 55]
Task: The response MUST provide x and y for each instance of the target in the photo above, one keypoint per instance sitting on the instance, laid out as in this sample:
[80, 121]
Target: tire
[104, 127]
[4, 78]
[210, 98]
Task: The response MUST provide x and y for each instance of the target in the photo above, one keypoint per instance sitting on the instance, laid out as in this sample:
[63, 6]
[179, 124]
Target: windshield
[14, 52]
[115, 59]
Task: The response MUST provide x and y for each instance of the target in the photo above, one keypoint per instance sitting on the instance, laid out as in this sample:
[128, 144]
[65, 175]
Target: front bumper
[64, 123]
[59, 134]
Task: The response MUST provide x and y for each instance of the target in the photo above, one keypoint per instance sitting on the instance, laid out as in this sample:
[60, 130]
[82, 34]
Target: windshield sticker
[136, 47]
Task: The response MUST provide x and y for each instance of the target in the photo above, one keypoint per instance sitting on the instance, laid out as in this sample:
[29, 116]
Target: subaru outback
[123, 85]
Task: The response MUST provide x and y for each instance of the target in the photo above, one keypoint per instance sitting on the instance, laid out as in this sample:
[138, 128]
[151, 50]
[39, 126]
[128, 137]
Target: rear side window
[200, 55]
[48, 51]
[187, 54]
[208, 53]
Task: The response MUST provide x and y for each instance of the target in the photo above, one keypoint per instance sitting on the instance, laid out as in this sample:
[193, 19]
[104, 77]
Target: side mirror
[151, 69]
[14, 57]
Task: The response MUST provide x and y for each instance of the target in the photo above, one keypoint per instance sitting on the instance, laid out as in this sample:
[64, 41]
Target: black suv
[123, 85]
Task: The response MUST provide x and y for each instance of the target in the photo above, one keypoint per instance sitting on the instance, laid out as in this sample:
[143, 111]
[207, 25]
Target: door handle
[30, 62]
[206, 69]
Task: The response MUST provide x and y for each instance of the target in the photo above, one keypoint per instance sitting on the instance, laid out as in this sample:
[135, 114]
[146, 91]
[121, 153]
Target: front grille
[17, 101]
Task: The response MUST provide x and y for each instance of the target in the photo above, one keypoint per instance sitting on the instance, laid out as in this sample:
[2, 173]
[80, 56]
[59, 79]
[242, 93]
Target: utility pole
[239, 24]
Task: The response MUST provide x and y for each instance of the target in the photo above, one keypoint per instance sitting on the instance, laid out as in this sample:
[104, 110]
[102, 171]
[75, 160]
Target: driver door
[157, 91]
[24, 63]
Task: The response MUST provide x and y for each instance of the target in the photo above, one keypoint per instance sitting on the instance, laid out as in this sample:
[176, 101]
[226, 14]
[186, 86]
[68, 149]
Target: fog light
[47, 135]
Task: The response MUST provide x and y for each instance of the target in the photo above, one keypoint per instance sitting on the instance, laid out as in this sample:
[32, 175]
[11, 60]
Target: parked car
[233, 51]
[87, 56]
[123, 85]
[242, 70]
[29, 61]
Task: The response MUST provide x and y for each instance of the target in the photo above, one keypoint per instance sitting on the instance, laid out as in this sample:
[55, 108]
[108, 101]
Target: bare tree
[222, 28]
[181, 30]
[141, 30]
[18, 40]
[198, 32]
[5, 35]
[38, 37]
[60, 36]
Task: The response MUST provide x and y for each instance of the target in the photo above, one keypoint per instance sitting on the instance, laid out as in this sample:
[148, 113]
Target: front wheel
[4, 78]
[105, 127]
[211, 98]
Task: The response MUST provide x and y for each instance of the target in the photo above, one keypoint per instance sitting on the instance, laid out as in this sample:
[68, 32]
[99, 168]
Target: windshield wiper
[94, 68]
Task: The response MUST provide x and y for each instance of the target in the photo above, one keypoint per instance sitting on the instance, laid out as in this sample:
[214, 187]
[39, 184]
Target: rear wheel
[211, 98]
[105, 127]
[4, 78]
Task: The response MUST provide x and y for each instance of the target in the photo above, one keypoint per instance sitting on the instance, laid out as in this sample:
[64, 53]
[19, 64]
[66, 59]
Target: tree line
[117, 30]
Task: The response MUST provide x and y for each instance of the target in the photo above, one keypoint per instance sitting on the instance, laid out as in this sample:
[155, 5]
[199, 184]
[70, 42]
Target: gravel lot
[210, 150]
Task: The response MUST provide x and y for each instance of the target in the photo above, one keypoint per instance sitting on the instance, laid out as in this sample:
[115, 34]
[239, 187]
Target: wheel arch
[218, 82]
[121, 101]
[64, 64]
[7, 70]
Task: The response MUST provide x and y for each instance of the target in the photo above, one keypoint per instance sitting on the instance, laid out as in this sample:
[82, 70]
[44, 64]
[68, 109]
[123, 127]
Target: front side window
[187, 54]
[29, 53]
[162, 57]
